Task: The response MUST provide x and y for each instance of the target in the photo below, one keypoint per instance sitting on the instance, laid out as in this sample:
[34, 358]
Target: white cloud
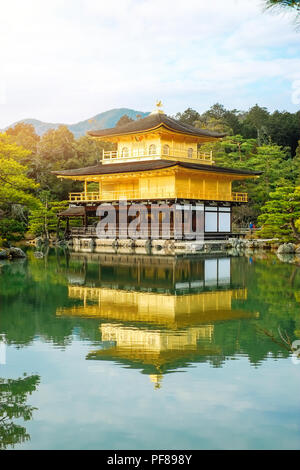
[65, 61]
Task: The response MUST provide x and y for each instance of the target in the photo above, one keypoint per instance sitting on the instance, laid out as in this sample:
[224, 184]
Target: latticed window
[190, 152]
[125, 152]
[166, 150]
[152, 149]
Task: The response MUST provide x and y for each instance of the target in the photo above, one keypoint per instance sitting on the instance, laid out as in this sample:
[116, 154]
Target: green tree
[56, 150]
[24, 135]
[57, 146]
[13, 396]
[285, 5]
[15, 187]
[280, 214]
[214, 125]
[296, 162]
[219, 119]
[258, 117]
[284, 129]
[275, 163]
[189, 116]
[12, 229]
[88, 152]
[43, 221]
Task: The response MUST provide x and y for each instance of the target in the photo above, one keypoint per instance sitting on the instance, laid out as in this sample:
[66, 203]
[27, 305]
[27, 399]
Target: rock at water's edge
[16, 253]
[287, 248]
[3, 254]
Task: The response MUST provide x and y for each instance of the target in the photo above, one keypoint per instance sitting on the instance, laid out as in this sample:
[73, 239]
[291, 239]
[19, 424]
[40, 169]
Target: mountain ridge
[102, 120]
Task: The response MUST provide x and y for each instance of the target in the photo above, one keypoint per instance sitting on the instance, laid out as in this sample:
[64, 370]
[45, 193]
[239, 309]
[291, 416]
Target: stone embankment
[232, 246]
[12, 253]
[285, 252]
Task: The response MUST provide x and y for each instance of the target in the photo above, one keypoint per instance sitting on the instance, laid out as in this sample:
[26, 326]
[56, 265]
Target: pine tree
[281, 213]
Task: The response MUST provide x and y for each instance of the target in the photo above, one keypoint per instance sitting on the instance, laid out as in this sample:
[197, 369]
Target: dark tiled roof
[127, 167]
[73, 212]
[154, 121]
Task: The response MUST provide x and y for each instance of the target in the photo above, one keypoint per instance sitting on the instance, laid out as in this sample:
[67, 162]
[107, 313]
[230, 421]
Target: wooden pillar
[85, 189]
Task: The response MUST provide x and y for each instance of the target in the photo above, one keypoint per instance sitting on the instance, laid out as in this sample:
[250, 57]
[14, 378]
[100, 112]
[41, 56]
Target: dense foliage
[281, 128]
[256, 140]
[26, 163]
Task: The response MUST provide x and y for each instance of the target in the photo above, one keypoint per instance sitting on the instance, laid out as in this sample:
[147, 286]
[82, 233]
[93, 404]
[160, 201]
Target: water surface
[129, 351]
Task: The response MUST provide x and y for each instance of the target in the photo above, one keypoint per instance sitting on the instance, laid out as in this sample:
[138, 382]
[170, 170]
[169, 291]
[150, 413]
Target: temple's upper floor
[157, 136]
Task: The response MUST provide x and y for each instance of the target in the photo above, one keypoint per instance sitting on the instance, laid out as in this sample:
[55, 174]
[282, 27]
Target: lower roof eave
[152, 165]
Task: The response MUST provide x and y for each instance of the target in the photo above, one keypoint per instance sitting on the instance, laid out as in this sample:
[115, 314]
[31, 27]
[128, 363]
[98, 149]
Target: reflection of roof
[127, 167]
[155, 351]
[162, 362]
[73, 212]
[154, 121]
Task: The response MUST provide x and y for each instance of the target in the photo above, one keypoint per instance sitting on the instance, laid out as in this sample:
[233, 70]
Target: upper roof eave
[152, 123]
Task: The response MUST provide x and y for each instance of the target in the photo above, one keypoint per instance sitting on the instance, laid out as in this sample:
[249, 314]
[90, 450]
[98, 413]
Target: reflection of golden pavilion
[175, 292]
[154, 329]
[170, 310]
[155, 349]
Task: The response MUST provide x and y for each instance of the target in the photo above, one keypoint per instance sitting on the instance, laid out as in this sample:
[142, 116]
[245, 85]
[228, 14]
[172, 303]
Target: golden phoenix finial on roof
[158, 108]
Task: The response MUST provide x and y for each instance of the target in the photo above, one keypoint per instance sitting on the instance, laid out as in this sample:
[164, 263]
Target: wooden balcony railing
[84, 197]
[116, 156]
[161, 194]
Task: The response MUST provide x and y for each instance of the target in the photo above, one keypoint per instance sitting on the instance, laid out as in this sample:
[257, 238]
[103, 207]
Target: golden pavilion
[158, 159]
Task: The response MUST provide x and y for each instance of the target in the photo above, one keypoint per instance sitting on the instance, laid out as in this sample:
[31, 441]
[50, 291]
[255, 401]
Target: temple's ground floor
[165, 219]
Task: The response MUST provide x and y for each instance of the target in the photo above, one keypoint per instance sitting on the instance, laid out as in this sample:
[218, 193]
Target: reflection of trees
[33, 290]
[13, 396]
[30, 293]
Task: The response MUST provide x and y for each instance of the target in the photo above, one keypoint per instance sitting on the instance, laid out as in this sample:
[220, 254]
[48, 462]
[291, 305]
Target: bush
[12, 229]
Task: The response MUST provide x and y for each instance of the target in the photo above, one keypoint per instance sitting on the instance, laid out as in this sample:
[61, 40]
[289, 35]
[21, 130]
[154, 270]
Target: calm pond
[130, 351]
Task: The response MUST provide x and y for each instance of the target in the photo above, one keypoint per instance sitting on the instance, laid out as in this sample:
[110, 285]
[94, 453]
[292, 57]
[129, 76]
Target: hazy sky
[67, 60]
